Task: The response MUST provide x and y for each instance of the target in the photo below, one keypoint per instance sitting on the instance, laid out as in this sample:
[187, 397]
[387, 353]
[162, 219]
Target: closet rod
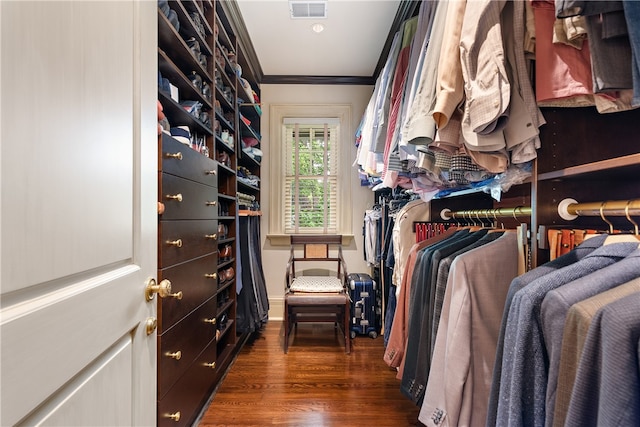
[447, 215]
[570, 209]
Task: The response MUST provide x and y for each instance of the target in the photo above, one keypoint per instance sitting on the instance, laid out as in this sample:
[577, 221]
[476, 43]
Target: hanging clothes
[253, 301]
[524, 360]
[460, 374]
[519, 283]
[395, 351]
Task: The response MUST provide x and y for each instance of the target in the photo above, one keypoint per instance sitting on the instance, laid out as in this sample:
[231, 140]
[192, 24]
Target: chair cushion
[316, 284]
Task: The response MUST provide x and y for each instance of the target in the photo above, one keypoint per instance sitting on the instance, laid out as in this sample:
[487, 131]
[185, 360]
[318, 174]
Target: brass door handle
[212, 203]
[163, 289]
[211, 275]
[210, 365]
[177, 197]
[177, 155]
[211, 172]
[212, 321]
[213, 236]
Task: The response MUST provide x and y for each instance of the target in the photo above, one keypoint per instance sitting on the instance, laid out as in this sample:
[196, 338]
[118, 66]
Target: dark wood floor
[315, 385]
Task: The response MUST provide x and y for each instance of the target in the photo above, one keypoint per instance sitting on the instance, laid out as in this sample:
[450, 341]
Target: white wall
[275, 257]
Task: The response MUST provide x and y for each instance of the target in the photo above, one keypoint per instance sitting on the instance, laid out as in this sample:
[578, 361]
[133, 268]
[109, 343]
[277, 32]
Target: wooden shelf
[632, 160]
[245, 212]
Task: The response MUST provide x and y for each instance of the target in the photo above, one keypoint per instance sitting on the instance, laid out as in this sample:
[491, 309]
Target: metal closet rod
[489, 213]
[570, 209]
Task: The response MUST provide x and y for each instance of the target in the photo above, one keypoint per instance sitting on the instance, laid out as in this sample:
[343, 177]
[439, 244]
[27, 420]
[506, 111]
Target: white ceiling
[350, 45]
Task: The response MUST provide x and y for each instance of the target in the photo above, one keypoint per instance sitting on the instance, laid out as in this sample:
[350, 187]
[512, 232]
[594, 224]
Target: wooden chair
[312, 297]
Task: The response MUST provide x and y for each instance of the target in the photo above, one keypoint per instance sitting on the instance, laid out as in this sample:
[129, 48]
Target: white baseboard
[276, 308]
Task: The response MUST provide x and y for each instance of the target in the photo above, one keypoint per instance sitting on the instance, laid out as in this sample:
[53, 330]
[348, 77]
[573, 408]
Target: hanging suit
[518, 283]
[460, 375]
[607, 388]
[556, 304]
[574, 335]
[524, 369]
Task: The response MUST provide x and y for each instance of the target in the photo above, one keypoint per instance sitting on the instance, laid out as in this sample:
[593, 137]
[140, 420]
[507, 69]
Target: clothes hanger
[618, 238]
[523, 245]
[475, 226]
[495, 222]
[635, 224]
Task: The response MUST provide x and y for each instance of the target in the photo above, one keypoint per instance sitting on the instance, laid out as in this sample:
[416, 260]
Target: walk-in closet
[175, 173]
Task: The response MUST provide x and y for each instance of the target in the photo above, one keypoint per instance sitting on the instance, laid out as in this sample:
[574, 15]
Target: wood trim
[318, 80]
[299, 239]
[618, 162]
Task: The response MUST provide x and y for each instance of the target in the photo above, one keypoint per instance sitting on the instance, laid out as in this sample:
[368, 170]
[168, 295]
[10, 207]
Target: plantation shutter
[311, 175]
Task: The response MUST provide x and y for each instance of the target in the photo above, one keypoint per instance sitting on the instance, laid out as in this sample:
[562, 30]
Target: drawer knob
[177, 197]
[176, 243]
[212, 321]
[175, 355]
[177, 155]
[211, 365]
[213, 236]
[163, 289]
[211, 275]
[213, 203]
[212, 172]
[175, 416]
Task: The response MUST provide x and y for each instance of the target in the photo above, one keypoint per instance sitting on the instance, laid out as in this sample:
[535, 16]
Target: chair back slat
[317, 247]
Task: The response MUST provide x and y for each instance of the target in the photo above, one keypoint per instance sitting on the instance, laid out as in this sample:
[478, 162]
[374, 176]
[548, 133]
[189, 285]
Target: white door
[78, 215]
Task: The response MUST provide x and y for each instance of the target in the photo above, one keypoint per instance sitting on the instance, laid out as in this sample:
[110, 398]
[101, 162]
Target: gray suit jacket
[607, 388]
[574, 336]
[524, 362]
[556, 304]
[518, 283]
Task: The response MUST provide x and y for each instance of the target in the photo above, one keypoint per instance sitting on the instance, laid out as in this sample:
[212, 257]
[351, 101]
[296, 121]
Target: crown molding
[318, 80]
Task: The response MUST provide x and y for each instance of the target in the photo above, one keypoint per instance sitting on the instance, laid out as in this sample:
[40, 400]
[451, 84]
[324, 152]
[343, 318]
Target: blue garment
[607, 387]
[524, 361]
[390, 312]
[519, 283]
[556, 304]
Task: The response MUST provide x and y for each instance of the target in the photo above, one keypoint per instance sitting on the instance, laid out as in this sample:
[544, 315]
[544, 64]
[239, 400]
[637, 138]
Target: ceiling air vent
[308, 9]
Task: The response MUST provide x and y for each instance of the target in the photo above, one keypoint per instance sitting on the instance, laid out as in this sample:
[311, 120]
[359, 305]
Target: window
[310, 162]
[311, 175]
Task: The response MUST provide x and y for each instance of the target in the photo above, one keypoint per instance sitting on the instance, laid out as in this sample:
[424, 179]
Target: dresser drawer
[180, 160]
[185, 199]
[191, 279]
[182, 240]
[190, 392]
[182, 343]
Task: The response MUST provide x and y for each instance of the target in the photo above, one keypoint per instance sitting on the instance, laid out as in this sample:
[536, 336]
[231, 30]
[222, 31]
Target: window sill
[284, 239]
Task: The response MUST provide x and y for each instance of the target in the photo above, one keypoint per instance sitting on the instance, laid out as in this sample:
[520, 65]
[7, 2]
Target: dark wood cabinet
[197, 188]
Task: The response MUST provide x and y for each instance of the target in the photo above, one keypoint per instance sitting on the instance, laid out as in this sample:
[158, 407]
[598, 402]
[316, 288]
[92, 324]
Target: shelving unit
[197, 186]
[585, 156]
[226, 143]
